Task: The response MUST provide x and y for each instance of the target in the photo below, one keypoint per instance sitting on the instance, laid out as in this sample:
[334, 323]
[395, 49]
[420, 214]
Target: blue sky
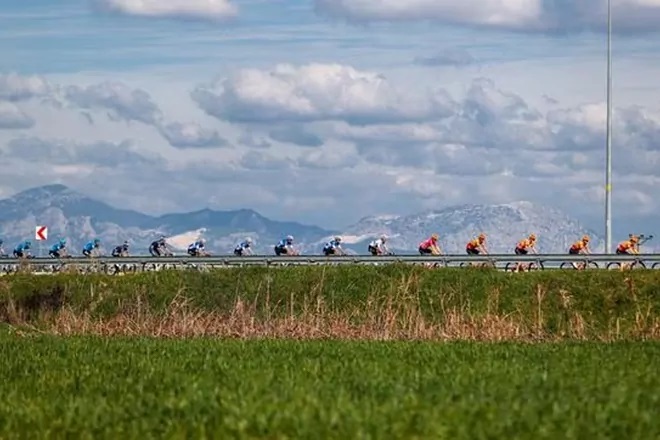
[325, 111]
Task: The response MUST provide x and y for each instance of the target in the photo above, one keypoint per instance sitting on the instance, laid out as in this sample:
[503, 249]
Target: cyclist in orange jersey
[524, 246]
[580, 247]
[629, 246]
[477, 246]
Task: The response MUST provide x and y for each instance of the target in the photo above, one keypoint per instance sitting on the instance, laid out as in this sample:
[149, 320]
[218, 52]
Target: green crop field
[88, 387]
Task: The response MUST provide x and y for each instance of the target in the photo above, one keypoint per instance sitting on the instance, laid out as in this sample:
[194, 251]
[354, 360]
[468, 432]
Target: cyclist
[196, 249]
[580, 247]
[285, 247]
[430, 246]
[378, 247]
[628, 247]
[243, 248]
[523, 247]
[158, 248]
[121, 250]
[58, 250]
[477, 246]
[23, 249]
[90, 247]
[333, 247]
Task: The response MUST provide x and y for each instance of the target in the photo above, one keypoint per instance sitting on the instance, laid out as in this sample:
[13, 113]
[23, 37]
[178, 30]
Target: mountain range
[79, 218]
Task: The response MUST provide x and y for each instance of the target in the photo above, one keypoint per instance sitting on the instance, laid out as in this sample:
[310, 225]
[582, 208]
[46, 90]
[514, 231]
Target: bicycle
[587, 264]
[637, 263]
[516, 267]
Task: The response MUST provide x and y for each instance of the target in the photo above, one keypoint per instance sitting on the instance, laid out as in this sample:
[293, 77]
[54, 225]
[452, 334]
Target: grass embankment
[390, 302]
[85, 387]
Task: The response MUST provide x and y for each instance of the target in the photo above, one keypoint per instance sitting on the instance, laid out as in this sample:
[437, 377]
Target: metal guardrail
[445, 260]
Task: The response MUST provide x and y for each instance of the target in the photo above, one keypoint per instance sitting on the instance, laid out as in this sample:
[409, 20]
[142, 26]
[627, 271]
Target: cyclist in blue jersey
[23, 249]
[285, 247]
[333, 247]
[159, 248]
[58, 250]
[90, 247]
[121, 250]
[243, 248]
[197, 248]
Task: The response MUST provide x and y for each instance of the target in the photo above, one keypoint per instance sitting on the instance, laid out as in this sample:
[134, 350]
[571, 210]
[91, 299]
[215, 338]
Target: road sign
[41, 233]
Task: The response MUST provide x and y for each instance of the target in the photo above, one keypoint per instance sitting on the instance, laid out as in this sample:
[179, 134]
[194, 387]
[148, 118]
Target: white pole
[608, 154]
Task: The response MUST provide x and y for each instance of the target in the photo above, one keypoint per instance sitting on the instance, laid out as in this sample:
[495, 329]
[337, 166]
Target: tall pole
[608, 154]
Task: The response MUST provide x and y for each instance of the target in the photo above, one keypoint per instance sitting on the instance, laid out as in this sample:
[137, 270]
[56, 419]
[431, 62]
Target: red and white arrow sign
[41, 233]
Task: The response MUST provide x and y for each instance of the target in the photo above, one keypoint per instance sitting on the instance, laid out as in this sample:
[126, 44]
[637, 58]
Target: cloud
[250, 139]
[449, 57]
[203, 10]
[293, 134]
[315, 92]
[128, 104]
[12, 117]
[58, 152]
[15, 87]
[123, 102]
[519, 15]
[191, 135]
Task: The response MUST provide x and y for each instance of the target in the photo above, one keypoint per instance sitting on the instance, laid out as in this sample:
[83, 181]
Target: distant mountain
[79, 218]
[504, 225]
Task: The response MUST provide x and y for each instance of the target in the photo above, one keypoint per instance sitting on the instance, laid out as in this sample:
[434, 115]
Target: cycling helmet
[532, 237]
[97, 241]
[126, 243]
[338, 239]
[62, 241]
[482, 236]
[586, 239]
[383, 237]
[202, 240]
[435, 237]
[248, 240]
[634, 239]
[289, 238]
[28, 242]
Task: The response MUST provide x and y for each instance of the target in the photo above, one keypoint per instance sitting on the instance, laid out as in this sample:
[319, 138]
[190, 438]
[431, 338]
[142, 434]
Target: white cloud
[15, 87]
[315, 92]
[12, 117]
[521, 15]
[191, 135]
[205, 10]
[124, 102]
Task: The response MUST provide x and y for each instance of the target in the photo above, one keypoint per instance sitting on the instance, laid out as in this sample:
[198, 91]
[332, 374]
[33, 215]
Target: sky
[326, 111]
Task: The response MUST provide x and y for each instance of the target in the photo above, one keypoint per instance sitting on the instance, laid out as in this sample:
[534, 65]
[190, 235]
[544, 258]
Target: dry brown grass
[397, 318]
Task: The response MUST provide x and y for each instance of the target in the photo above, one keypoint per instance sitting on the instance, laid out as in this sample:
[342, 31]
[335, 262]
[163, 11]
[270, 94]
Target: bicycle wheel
[639, 264]
[567, 265]
[613, 265]
[592, 265]
[656, 266]
[510, 267]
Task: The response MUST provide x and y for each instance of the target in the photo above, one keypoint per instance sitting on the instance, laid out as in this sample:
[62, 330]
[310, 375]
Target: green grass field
[385, 302]
[85, 387]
